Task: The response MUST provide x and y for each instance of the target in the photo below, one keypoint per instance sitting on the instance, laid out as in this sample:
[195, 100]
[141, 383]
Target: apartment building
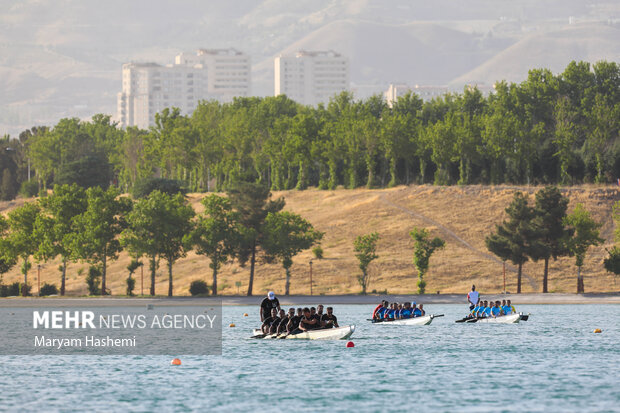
[311, 77]
[148, 88]
[228, 71]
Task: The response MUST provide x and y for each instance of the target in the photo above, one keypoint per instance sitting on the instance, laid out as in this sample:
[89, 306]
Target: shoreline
[518, 299]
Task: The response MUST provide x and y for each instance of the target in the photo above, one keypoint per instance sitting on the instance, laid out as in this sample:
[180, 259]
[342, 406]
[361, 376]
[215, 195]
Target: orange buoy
[350, 344]
[231, 325]
[598, 330]
[245, 314]
[175, 362]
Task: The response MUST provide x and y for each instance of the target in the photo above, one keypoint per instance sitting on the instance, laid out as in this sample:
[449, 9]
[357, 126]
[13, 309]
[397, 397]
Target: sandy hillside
[463, 216]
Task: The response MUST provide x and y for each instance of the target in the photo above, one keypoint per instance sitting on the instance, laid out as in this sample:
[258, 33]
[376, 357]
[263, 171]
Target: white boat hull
[340, 333]
[505, 319]
[416, 321]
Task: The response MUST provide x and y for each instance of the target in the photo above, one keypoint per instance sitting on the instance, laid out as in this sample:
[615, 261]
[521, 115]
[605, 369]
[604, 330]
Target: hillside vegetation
[462, 215]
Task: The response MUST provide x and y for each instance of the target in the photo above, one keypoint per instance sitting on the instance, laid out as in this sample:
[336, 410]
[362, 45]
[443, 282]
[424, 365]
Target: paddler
[417, 311]
[273, 328]
[293, 324]
[380, 310]
[496, 310]
[505, 308]
[308, 322]
[474, 311]
[269, 320]
[329, 320]
[482, 310]
[285, 320]
[472, 297]
[319, 314]
[269, 303]
[512, 308]
[406, 311]
[421, 310]
[390, 313]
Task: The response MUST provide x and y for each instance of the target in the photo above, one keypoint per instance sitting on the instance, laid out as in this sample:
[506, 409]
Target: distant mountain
[552, 50]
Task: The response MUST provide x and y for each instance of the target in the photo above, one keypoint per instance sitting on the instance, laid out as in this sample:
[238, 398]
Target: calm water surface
[551, 363]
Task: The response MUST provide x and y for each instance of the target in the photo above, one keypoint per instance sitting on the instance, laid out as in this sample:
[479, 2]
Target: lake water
[553, 362]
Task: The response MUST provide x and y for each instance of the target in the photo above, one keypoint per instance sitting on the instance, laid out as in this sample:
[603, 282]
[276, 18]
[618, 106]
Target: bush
[48, 289]
[13, 289]
[144, 187]
[4, 290]
[131, 284]
[198, 287]
[24, 289]
[29, 189]
[318, 252]
[92, 280]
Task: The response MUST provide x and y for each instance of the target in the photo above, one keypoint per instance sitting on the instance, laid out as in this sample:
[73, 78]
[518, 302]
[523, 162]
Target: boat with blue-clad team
[493, 312]
[407, 314]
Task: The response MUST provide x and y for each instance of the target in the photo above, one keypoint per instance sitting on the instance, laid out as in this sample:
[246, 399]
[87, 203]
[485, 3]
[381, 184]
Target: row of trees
[547, 129]
[544, 231]
[95, 225]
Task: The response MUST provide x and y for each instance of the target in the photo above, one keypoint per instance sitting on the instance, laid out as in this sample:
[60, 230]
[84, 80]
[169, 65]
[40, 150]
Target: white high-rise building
[148, 88]
[311, 77]
[228, 71]
[426, 93]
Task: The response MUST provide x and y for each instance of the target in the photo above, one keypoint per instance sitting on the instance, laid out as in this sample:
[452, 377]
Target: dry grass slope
[461, 215]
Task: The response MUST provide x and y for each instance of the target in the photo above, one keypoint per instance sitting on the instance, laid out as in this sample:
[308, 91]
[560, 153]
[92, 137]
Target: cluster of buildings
[307, 77]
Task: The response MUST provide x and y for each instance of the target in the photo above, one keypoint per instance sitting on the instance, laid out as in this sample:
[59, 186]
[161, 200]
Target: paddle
[525, 317]
[259, 336]
[437, 315]
[472, 320]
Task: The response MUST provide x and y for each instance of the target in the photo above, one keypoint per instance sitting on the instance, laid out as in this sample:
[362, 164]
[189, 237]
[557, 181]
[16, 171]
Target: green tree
[551, 234]
[158, 225]
[512, 240]
[565, 137]
[585, 234]
[55, 227]
[96, 238]
[217, 233]
[603, 128]
[252, 202]
[612, 262]
[131, 282]
[365, 247]
[423, 248]
[7, 259]
[286, 235]
[22, 239]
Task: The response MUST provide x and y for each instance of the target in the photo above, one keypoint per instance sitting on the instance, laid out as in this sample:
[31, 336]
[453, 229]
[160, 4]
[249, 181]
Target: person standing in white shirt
[472, 297]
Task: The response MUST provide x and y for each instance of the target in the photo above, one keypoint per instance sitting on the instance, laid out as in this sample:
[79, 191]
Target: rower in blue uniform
[417, 312]
[406, 312]
[496, 311]
[505, 308]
